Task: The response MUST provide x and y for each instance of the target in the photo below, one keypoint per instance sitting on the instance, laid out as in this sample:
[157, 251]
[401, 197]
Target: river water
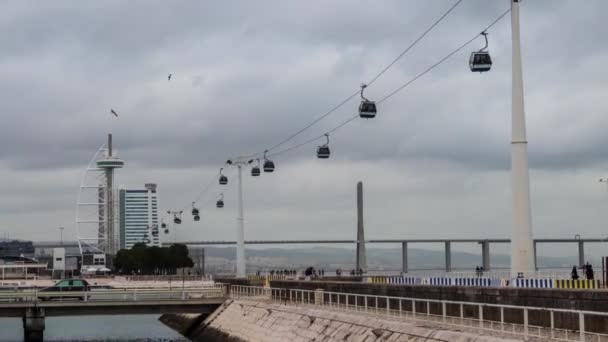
[117, 328]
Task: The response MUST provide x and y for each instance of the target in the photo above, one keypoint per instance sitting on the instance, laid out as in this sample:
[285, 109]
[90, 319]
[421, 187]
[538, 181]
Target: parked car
[77, 286]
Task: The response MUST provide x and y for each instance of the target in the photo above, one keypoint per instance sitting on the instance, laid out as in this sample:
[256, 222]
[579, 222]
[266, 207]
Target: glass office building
[139, 217]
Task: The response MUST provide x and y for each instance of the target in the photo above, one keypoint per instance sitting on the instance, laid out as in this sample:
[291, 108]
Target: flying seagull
[169, 77]
[113, 112]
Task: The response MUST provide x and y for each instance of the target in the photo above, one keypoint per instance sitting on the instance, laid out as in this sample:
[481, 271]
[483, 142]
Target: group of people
[479, 271]
[280, 272]
[587, 270]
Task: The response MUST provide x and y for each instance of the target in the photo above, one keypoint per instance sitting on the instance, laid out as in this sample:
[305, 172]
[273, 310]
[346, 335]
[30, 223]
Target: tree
[141, 259]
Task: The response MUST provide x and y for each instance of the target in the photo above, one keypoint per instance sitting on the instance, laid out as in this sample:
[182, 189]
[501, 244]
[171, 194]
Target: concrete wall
[590, 300]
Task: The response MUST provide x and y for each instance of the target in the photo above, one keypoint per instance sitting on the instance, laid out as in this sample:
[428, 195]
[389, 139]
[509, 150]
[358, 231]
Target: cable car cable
[395, 91]
[415, 42]
[332, 110]
[443, 59]
[214, 179]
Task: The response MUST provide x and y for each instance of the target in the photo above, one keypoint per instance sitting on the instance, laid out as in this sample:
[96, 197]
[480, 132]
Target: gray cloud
[246, 75]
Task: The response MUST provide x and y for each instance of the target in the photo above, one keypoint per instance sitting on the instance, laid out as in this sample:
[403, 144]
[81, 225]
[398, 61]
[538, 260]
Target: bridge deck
[80, 308]
[119, 301]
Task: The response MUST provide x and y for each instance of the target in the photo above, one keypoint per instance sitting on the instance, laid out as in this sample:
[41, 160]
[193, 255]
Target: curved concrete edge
[243, 321]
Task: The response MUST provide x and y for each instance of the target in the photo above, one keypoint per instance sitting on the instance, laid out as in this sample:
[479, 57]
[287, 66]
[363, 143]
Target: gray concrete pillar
[581, 253]
[448, 256]
[33, 325]
[535, 259]
[361, 259]
[404, 266]
[485, 255]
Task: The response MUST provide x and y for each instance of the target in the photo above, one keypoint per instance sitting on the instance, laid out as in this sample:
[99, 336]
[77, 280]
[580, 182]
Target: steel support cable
[349, 120]
[204, 190]
[406, 84]
[384, 70]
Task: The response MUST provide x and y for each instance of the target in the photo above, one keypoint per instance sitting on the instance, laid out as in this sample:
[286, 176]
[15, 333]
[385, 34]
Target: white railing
[476, 317]
[113, 295]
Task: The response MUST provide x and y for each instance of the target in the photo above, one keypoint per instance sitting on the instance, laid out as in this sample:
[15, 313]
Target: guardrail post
[526, 321]
[135, 294]
[461, 312]
[552, 323]
[581, 325]
[319, 296]
[388, 307]
[481, 316]
[400, 308]
[365, 297]
[413, 308]
[502, 318]
[428, 308]
[443, 310]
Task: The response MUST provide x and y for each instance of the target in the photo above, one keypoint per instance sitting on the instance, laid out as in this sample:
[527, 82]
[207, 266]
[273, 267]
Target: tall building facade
[139, 217]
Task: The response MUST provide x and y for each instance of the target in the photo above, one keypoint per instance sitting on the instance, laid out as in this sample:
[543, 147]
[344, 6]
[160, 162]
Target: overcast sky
[435, 161]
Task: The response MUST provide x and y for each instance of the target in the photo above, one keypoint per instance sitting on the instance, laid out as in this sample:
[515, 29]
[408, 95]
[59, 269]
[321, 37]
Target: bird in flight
[169, 77]
[113, 112]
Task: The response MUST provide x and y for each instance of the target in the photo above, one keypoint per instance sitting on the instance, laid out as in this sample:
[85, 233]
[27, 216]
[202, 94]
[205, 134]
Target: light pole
[240, 220]
[61, 236]
[522, 249]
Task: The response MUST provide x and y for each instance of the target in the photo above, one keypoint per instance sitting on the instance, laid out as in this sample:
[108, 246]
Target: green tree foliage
[141, 259]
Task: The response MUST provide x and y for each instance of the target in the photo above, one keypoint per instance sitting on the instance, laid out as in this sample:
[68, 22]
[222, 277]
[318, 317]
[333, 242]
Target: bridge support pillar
[535, 258]
[448, 256]
[404, 265]
[485, 255]
[33, 325]
[581, 253]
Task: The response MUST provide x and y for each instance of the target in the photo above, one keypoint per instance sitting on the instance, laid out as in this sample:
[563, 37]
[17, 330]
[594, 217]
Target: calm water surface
[95, 328]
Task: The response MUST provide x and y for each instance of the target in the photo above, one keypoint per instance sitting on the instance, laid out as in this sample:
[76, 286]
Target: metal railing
[502, 320]
[174, 278]
[113, 295]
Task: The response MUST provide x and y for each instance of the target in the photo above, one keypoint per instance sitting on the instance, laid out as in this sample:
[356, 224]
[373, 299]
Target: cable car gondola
[195, 210]
[367, 108]
[323, 151]
[177, 217]
[163, 225]
[223, 179]
[220, 201]
[268, 164]
[166, 231]
[195, 213]
[255, 170]
[480, 61]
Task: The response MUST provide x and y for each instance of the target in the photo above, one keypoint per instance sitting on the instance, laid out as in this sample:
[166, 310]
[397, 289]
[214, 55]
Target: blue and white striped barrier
[533, 283]
[479, 282]
[402, 280]
[440, 281]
